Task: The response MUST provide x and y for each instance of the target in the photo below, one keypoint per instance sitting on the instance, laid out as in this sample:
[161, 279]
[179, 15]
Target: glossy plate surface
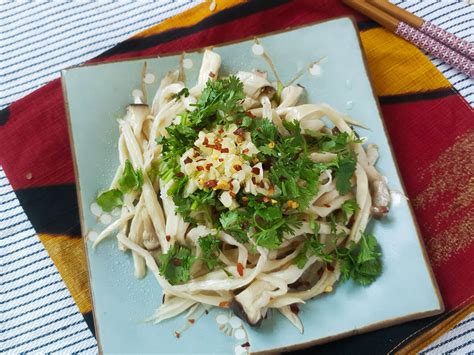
[98, 94]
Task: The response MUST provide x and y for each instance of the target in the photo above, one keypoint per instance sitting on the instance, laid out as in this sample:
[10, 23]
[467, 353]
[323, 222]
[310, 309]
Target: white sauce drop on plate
[92, 236]
[187, 63]
[258, 49]
[348, 84]
[105, 218]
[222, 319]
[96, 209]
[240, 350]
[235, 322]
[315, 70]
[240, 334]
[349, 105]
[149, 78]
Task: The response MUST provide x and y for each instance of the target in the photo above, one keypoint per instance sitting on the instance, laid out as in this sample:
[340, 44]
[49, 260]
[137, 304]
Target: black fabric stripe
[89, 318]
[224, 16]
[402, 98]
[379, 342]
[4, 116]
[52, 209]
[367, 25]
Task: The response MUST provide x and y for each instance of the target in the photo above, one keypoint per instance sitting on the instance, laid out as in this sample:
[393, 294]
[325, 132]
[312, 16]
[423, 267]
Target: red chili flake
[294, 308]
[245, 198]
[330, 267]
[225, 150]
[199, 168]
[265, 199]
[217, 140]
[208, 166]
[196, 154]
[168, 238]
[245, 151]
[221, 159]
[191, 321]
[255, 170]
[187, 160]
[250, 114]
[220, 131]
[239, 131]
[179, 174]
[177, 335]
[261, 184]
[245, 345]
[212, 75]
[205, 141]
[232, 194]
[240, 269]
[176, 262]
[254, 180]
[211, 183]
[327, 205]
[224, 304]
[237, 167]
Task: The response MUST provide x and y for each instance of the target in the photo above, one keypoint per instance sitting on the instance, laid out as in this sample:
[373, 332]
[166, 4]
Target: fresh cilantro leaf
[184, 92]
[362, 263]
[131, 179]
[175, 265]
[233, 222]
[349, 207]
[109, 200]
[344, 172]
[210, 247]
[301, 259]
[269, 239]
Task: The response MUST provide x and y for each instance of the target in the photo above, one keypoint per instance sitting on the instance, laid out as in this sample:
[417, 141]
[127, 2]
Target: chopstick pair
[452, 50]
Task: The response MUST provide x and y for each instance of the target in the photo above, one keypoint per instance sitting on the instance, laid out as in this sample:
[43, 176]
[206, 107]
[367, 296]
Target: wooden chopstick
[458, 44]
[414, 36]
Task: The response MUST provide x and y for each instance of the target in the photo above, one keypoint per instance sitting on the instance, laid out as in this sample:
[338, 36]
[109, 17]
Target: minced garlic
[224, 159]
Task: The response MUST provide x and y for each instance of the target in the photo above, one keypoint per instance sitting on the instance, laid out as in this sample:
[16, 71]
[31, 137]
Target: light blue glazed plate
[98, 94]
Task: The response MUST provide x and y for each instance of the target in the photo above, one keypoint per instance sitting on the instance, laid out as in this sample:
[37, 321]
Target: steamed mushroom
[290, 96]
[136, 116]
[255, 85]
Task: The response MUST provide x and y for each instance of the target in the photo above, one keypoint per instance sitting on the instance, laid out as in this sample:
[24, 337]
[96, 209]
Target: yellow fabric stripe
[398, 67]
[189, 17]
[68, 256]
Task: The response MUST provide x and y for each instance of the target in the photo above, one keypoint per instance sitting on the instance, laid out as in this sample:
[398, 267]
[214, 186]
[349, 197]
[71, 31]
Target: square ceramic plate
[96, 95]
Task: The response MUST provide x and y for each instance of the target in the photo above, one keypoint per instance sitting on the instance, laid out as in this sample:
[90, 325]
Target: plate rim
[291, 347]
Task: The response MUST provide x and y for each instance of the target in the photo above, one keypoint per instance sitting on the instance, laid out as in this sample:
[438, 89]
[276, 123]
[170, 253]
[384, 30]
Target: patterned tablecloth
[429, 122]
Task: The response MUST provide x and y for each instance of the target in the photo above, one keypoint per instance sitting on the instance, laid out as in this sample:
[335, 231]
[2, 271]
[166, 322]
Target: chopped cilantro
[176, 264]
[131, 179]
[109, 200]
[210, 247]
[346, 167]
[362, 262]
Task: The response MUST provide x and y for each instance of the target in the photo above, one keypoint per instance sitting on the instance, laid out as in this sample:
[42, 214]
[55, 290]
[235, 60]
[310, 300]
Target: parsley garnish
[176, 264]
